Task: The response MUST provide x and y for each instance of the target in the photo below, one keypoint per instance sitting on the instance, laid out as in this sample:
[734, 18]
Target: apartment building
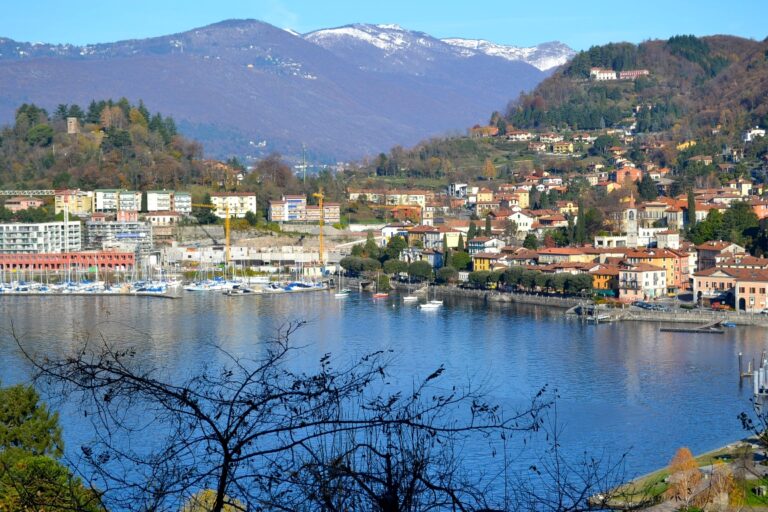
[44, 237]
[239, 203]
[77, 202]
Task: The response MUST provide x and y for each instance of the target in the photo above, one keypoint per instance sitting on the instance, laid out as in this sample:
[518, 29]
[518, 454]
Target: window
[751, 290]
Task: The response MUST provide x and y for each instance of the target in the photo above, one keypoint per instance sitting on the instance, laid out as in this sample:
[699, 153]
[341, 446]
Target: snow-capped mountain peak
[395, 41]
[389, 38]
[544, 56]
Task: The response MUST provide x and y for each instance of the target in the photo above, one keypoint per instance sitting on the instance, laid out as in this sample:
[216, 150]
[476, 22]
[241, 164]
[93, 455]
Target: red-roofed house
[710, 252]
[561, 254]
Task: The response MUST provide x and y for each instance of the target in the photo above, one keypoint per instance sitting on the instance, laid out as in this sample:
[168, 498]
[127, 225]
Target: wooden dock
[710, 328]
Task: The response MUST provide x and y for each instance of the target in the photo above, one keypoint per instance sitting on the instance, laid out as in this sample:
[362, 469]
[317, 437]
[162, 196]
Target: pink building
[16, 204]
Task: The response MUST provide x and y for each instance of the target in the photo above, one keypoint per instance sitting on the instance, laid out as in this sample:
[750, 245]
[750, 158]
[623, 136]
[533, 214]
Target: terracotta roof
[714, 246]
[561, 250]
[650, 253]
[740, 274]
[642, 267]
[606, 270]
[488, 255]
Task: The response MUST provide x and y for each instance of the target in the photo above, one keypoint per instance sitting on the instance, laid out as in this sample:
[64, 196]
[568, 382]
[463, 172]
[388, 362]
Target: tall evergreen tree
[488, 230]
[461, 242]
[446, 252]
[581, 226]
[647, 188]
[472, 231]
[691, 210]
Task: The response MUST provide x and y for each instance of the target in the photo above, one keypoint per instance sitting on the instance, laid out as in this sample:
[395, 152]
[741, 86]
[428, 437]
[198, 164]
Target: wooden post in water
[741, 369]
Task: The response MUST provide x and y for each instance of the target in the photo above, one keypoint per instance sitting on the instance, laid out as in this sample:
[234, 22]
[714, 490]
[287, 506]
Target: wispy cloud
[278, 14]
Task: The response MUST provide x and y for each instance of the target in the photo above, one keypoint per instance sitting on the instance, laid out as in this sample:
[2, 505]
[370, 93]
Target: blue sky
[578, 24]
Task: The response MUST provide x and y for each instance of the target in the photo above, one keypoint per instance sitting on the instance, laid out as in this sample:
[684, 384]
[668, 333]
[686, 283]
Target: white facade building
[44, 237]
[159, 200]
[239, 204]
[112, 200]
[182, 202]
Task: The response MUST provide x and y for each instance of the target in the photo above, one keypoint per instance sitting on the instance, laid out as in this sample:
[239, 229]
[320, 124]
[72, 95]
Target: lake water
[622, 387]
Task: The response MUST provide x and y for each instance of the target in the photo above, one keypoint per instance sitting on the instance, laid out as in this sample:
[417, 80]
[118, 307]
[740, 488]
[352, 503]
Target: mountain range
[247, 88]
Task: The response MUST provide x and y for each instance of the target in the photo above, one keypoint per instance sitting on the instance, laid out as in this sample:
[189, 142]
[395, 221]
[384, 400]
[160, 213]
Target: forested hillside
[693, 85]
[116, 144]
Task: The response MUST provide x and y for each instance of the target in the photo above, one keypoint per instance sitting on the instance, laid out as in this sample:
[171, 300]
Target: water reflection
[621, 386]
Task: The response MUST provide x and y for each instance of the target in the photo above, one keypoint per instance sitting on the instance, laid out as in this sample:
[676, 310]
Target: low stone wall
[695, 317]
[520, 298]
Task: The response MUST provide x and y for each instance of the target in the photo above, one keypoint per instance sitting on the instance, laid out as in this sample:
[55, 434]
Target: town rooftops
[562, 251]
[489, 255]
[642, 267]
[650, 253]
[714, 246]
[606, 270]
[740, 274]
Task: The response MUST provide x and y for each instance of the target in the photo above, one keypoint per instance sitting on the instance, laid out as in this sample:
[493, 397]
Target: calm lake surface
[622, 387]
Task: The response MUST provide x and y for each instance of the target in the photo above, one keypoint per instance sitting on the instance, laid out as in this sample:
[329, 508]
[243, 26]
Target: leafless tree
[262, 436]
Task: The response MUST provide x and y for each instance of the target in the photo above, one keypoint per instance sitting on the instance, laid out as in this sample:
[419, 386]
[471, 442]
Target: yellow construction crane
[226, 226]
[319, 195]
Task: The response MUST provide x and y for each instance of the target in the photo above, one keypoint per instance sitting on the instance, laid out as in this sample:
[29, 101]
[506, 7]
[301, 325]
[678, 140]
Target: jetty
[710, 328]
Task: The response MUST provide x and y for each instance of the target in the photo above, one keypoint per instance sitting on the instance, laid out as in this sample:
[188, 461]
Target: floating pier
[710, 328]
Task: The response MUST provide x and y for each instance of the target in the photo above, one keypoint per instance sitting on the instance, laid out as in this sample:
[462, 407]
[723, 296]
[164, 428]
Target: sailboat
[431, 304]
[341, 293]
[410, 297]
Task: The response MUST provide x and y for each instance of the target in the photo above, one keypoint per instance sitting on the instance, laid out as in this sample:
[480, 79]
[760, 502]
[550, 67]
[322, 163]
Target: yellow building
[78, 202]
[563, 147]
[484, 260]
[685, 145]
[605, 277]
[523, 199]
[485, 195]
[567, 207]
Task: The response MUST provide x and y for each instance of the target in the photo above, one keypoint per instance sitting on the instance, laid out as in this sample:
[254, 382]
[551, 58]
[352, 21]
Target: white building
[641, 282]
[523, 221]
[239, 203]
[44, 237]
[750, 135]
[159, 200]
[112, 200]
[602, 75]
[182, 202]
[163, 218]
